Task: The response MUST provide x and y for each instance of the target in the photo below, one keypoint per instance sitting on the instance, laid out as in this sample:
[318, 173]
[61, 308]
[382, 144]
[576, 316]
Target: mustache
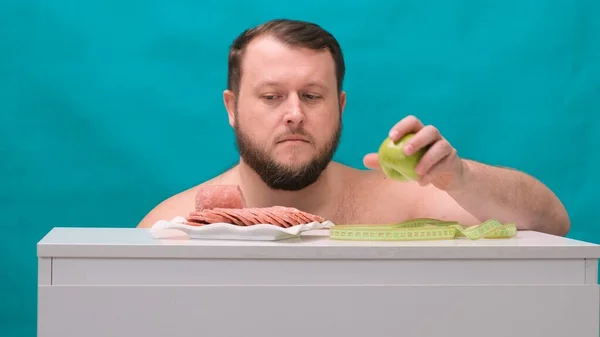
[297, 133]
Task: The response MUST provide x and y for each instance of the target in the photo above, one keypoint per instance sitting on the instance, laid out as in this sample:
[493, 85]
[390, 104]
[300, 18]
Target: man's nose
[294, 115]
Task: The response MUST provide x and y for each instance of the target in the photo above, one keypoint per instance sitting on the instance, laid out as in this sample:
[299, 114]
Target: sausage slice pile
[225, 203]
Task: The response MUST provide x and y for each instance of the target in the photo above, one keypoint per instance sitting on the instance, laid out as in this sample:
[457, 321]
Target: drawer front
[126, 271]
[300, 311]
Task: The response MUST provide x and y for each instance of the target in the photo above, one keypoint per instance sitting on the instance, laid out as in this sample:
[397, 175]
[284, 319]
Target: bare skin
[285, 89]
[352, 196]
[368, 197]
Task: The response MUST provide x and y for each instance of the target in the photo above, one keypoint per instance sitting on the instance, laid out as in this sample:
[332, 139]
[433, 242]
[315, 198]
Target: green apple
[395, 163]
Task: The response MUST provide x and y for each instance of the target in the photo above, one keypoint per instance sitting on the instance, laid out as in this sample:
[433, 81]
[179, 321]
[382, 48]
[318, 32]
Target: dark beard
[280, 177]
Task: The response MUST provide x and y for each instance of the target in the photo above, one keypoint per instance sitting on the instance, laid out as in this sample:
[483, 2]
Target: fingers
[434, 155]
[438, 166]
[371, 161]
[441, 174]
[407, 125]
[426, 136]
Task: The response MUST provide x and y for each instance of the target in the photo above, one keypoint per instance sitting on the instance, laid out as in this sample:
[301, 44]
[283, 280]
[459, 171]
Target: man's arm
[473, 189]
[489, 192]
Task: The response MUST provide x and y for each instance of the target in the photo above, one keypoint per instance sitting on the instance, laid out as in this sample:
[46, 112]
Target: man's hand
[440, 165]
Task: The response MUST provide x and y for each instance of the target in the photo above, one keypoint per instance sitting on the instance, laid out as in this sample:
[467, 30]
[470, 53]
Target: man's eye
[269, 97]
[312, 96]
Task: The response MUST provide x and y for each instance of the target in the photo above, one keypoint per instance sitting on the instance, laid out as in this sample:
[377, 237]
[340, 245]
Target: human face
[287, 116]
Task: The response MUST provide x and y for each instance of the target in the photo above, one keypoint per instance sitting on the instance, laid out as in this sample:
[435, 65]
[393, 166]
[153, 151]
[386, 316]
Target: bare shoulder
[182, 203]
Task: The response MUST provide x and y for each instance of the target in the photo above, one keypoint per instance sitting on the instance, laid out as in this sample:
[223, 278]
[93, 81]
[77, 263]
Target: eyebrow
[317, 84]
[275, 83]
[268, 83]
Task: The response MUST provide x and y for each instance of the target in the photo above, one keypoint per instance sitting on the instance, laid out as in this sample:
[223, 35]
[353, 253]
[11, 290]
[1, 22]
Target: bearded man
[285, 102]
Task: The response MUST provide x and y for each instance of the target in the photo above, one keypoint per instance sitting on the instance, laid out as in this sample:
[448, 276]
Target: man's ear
[229, 100]
[342, 101]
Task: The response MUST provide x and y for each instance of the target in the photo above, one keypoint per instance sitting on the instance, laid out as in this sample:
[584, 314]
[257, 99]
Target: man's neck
[313, 198]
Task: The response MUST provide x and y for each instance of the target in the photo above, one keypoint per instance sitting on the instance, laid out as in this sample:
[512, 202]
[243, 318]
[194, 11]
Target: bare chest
[373, 208]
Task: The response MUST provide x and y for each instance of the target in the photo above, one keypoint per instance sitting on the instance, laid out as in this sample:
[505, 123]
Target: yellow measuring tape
[423, 229]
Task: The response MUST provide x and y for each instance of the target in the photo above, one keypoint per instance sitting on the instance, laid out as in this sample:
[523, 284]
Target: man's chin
[294, 156]
[294, 164]
[288, 175]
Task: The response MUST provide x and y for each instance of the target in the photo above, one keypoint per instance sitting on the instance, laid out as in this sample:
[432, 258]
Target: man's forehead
[267, 57]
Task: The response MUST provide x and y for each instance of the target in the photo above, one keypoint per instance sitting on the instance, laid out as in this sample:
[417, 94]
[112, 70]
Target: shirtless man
[285, 102]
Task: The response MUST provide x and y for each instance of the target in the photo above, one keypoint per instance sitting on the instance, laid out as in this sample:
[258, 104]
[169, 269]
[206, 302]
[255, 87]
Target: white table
[100, 282]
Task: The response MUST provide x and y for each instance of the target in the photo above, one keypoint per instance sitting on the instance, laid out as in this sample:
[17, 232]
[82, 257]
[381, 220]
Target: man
[285, 102]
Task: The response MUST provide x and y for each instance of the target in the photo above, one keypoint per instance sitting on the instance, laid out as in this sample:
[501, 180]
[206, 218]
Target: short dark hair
[292, 32]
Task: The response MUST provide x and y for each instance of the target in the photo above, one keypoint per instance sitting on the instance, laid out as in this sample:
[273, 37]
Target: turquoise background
[108, 107]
